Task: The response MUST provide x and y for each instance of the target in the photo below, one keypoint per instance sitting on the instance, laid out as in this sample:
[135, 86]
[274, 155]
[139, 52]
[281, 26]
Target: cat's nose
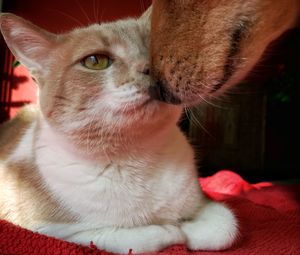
[144, 68]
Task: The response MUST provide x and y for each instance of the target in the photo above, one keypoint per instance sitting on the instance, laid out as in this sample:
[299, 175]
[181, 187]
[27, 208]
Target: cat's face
[93, 81]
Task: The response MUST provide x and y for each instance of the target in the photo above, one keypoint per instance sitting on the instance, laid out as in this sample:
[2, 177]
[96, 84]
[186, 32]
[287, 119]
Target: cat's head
[93, 81]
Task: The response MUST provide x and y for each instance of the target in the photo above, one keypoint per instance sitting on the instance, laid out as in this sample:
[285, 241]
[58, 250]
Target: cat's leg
[119, 240]
[214, 228]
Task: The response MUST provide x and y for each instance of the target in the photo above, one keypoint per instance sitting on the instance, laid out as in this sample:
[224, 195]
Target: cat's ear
[29, 43]
[146, 16]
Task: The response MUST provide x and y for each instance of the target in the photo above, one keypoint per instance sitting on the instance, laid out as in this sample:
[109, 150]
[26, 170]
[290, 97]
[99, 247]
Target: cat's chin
[145, 112]
[140, 111]
[136, 106]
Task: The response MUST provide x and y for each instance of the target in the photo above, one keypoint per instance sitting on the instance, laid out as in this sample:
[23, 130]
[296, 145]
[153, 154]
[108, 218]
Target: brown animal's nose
[162, 93]
[144, 68]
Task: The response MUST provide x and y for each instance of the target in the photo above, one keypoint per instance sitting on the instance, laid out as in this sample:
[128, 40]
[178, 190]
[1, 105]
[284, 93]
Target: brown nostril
[146, 71]
[144, 68]
[162, 93]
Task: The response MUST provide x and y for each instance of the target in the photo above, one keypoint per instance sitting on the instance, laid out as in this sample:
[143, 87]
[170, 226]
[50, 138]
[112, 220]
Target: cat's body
[136, 184]
[99, 160]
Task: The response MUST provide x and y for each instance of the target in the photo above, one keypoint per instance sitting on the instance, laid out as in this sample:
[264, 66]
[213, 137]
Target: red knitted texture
[269, 217]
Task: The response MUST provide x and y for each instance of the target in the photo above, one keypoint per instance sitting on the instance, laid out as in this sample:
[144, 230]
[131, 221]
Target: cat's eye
[97, 62]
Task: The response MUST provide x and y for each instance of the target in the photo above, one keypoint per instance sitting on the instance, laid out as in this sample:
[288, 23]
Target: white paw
[50, 230]
[62, 231]
[214, 228]
[144, 239]
[118, 240]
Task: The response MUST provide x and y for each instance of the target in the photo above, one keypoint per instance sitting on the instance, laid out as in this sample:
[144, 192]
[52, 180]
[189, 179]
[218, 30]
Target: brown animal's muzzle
[161, 93]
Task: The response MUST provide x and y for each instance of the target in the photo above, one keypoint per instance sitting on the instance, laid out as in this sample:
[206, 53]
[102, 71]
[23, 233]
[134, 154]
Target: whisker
[186, 113]
[94, 10]
[68, 16]
[205, 85]
[194, 119]
[102, 13]
[184, 92]
[142, 6]
[83, 11]
[97, 10]
[237, 58]
[210, 103]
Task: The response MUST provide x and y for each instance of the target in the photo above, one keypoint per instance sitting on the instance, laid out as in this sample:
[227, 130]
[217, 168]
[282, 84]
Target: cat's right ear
[146, 16]
[29, 43]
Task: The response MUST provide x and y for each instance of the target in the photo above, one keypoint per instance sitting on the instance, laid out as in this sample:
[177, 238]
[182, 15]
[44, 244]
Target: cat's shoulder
[12, 131]
[26, 115]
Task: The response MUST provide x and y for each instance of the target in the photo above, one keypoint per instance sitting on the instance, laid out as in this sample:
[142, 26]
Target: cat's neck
[117, 147]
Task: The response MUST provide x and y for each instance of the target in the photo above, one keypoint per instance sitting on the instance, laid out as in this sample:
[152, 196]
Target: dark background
[253, 130]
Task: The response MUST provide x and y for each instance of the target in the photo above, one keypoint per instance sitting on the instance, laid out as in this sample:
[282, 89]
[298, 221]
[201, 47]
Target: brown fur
[31, 205]
[200, 48]
[11, 131]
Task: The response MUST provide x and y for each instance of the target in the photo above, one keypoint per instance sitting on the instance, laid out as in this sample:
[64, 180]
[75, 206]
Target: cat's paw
[142, 239]
[62, 230]
[214, 228]
[49, 230]
[150, 238]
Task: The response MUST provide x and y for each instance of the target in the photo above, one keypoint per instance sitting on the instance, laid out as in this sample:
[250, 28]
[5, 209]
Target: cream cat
[100, 160]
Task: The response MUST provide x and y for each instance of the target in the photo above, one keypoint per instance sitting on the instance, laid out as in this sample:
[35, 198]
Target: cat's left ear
[29, 43]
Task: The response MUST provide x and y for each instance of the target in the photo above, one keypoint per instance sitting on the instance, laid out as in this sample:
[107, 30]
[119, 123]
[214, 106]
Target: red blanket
[269, 218]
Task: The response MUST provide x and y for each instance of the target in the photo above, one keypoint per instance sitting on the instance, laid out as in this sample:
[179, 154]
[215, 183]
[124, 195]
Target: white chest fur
[157, 187]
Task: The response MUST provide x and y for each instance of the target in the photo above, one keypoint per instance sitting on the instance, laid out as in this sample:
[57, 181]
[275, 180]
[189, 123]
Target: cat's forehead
[122, 37]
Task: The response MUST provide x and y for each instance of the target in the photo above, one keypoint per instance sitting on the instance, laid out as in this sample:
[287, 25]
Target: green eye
[97, 62]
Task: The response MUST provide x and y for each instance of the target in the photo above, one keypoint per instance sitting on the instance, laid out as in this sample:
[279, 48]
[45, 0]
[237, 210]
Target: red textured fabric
[269, 217]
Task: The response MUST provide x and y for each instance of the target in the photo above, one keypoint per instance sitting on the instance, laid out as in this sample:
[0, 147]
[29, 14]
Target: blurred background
[252, 130]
